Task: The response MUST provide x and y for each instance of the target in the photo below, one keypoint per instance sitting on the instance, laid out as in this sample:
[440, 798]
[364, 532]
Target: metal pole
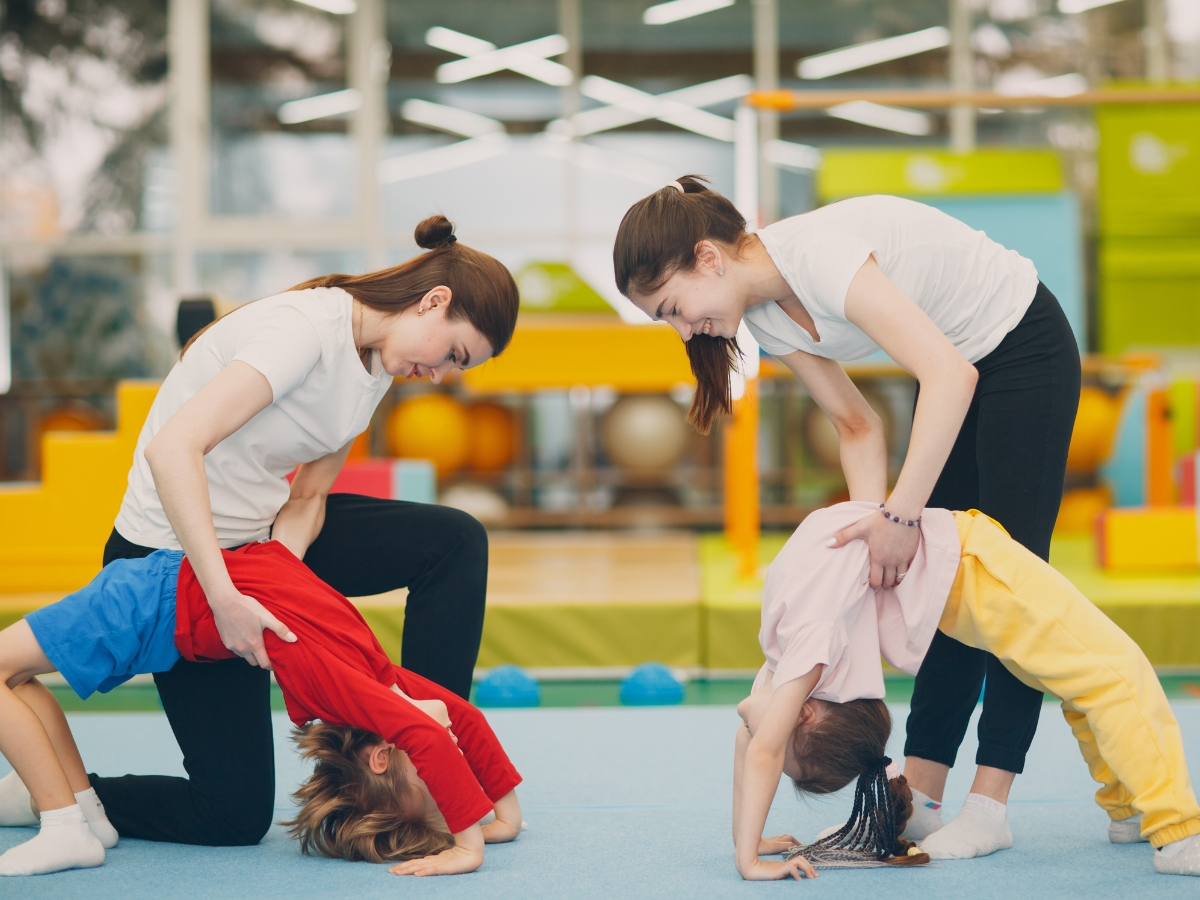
[962, 116]
[570, 26]
[188, 124]
[1154, 38]
[766, 78]
[369, 67]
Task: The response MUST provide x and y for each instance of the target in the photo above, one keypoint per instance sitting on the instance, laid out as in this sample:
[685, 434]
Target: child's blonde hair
[349, 812]
[848, 741]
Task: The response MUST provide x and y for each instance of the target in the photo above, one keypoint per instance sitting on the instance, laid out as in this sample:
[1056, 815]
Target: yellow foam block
[1163, 537]
[52, 532]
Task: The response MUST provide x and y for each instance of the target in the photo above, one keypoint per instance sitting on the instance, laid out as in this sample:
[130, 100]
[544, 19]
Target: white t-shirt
[303, 343]
[973, 289]
[820, 608]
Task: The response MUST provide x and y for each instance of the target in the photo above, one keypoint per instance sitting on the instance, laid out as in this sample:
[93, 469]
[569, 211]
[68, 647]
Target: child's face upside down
[754, 708]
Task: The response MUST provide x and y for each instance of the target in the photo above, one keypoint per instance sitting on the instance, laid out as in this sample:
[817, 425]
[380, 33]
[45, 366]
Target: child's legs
[1027, 614]
[25, 740]
[43, 703]
[1113, 797]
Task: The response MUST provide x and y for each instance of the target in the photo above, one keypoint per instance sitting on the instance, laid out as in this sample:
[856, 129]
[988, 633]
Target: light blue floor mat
[627, 803]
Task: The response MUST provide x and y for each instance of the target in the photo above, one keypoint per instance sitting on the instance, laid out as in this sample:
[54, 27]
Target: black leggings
[221, 712]
[1009, 461]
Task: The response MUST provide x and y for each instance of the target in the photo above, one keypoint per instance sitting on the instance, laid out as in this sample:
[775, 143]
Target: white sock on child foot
[64, 842]
[979, 829]
[93, 812]
[1126, 831]
[926, 817]
[1179, 857]
[14, 802]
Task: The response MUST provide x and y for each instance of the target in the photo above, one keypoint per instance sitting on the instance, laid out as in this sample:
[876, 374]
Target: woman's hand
[891, 545]
[240, 621]
[455, 861]
[769, 846]
[770, 870]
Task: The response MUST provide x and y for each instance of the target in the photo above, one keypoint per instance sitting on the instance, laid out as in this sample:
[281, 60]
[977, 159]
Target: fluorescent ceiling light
[665, 13]
[676, 107]
[442, 159]
[322, 106]
[648, 106]
[789, 155]
[337, 7]
[847, 59]
[1077, 6]
[483, 57]
[889, 118]
[1059, 86]
[449, 118]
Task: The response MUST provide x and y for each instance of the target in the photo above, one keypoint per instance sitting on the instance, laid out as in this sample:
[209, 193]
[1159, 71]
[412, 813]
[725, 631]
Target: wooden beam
[788, 101]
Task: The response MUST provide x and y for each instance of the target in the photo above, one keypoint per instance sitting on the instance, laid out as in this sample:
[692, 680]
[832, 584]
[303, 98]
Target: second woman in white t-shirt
[998, 374]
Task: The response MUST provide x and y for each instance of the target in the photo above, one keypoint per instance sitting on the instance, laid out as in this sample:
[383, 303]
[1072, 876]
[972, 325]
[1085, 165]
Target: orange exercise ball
[492, 437]
[1095, 425]
[435, 427]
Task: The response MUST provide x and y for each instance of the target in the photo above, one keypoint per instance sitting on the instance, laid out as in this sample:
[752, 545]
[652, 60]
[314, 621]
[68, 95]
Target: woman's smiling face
[431, 343]
[701, 301]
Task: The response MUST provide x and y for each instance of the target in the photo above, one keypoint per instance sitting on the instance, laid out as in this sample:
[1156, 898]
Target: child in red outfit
[402, 748]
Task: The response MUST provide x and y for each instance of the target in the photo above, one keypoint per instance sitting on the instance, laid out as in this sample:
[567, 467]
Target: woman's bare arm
[863, 444]
[300, 519]
[232, 398]
[902, 329]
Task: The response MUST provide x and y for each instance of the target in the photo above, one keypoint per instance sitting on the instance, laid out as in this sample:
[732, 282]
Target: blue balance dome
[651, 684]
[508, 686]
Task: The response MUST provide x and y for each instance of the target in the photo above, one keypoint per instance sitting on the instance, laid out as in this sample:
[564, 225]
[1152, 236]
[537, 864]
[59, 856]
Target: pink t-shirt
[819, 608]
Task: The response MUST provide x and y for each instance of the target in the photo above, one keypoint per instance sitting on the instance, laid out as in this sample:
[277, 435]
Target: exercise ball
[644, 432]
[73, 416]
[492, 437]
[821, 437]
[435, 427]
[1095, 427]
[481, 502]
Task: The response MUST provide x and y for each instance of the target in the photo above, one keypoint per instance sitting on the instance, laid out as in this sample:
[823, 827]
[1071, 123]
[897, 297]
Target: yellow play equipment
[52, 533]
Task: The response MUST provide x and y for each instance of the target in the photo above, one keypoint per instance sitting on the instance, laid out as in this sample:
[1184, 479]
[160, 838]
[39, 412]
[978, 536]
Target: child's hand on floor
[769, 870]
[455, 861]
[769, 846]
[507, 825]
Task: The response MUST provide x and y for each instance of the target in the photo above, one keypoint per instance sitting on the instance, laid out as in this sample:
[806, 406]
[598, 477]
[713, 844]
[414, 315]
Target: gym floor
[626, 803]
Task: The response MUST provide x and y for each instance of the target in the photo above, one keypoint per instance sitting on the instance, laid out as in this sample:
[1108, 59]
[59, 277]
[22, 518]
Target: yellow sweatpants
[1010, 603]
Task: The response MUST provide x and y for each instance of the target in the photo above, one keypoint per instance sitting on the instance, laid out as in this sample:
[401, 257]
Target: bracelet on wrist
[909, 522]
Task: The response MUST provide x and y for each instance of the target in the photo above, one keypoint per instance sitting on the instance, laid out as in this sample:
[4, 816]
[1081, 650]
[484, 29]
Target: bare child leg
[64, 841]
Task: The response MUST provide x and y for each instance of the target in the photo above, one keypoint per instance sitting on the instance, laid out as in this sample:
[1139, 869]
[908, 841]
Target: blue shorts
[122, 624]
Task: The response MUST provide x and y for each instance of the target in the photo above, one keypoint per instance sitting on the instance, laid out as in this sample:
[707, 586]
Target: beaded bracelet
[890, 517]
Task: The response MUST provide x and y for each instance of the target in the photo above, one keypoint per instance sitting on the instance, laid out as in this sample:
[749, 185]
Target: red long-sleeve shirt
[337, 672]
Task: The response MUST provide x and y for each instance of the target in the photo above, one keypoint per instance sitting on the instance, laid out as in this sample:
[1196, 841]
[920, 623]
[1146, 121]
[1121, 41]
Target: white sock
[93, 811]
[1179, 857]
[979, 829]
[15, 808]
[1126, 831]
[926, 817]
[64, 842]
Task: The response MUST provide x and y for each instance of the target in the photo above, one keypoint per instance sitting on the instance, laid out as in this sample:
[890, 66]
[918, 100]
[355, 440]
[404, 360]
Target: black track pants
[221, 712]
[1009, 461]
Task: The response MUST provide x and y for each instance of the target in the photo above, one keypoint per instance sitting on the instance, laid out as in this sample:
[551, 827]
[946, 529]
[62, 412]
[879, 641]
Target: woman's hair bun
[436, 231]
[693, 184]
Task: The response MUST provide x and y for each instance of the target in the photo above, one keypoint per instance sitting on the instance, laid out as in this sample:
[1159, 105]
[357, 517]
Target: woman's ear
[709, 255]
[379, 757]
[438, 296]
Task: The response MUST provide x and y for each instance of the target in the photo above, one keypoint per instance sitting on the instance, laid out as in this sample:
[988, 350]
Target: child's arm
[465, 856]
[766, 846]
[508, 820]
[762, 766]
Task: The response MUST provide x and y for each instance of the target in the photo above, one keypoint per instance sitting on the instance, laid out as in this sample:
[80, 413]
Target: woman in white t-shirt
[998, 373]
[280, 385]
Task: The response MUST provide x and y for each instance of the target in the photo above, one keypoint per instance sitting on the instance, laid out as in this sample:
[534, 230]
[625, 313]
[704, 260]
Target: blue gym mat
[625, 803]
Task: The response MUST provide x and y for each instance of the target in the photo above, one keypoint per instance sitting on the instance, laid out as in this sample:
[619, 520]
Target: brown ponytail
[658, 238]
[847, 741]
[483, 291]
